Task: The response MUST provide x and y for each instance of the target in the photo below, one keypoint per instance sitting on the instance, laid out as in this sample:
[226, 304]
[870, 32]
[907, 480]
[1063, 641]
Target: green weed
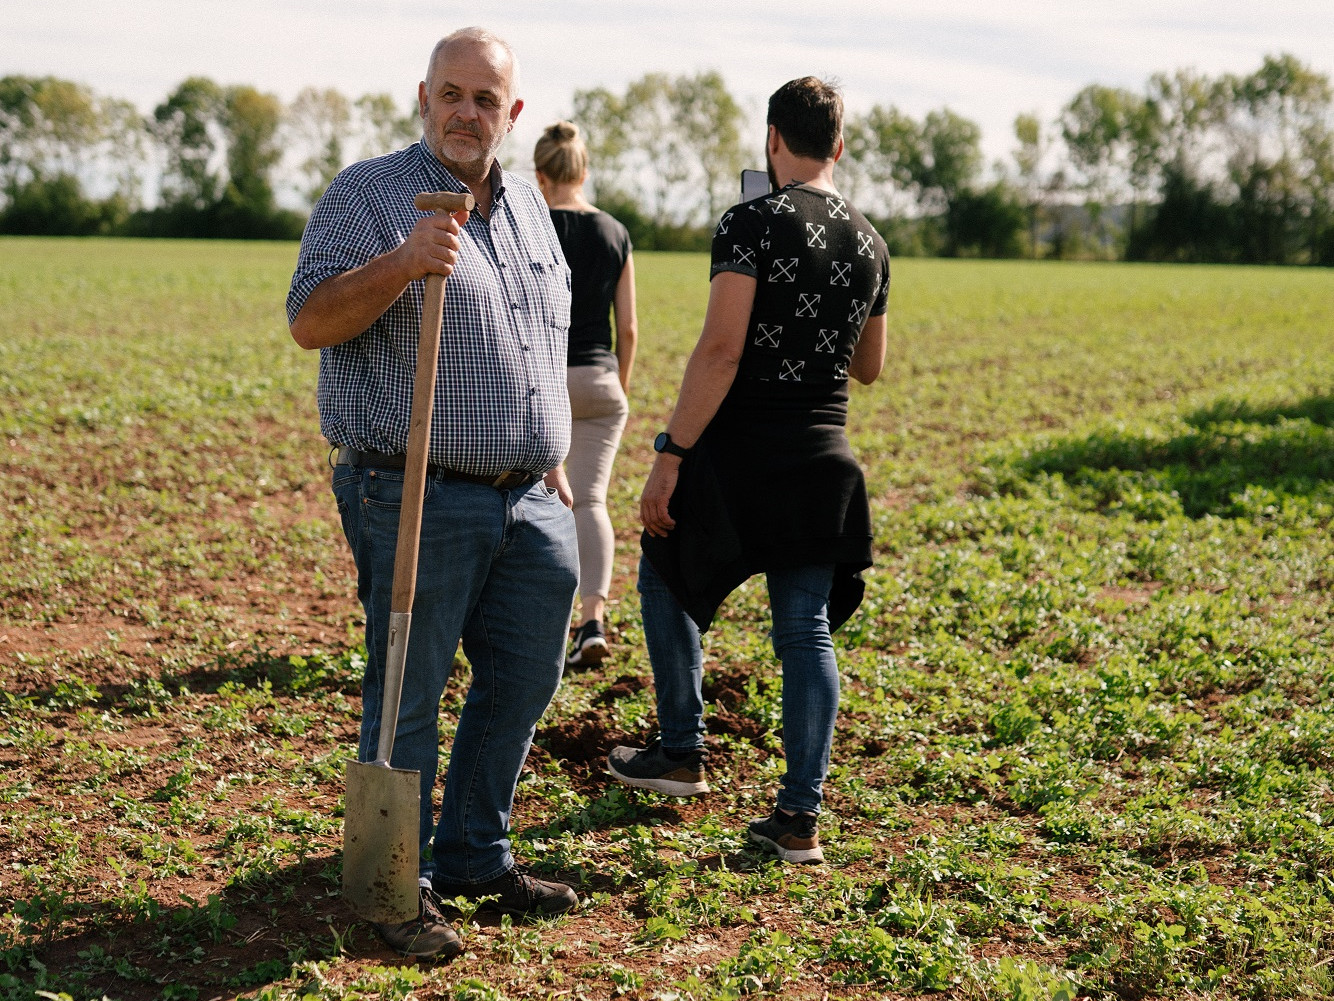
[1083, 748]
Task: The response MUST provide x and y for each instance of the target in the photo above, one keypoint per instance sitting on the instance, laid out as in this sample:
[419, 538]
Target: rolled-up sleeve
[342, 234]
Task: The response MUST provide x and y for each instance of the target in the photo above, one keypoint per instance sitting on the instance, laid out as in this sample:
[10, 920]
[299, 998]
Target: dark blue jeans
[799, 604]
[497, 570]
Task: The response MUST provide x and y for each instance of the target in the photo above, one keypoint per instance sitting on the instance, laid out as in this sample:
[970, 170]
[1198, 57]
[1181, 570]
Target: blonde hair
[561, 154]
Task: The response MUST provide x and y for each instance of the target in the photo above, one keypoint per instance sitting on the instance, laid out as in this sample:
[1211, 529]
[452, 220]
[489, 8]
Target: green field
[1086, 744]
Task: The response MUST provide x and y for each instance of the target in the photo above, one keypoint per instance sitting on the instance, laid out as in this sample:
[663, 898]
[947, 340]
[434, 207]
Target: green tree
[47, 127]
[318, 123]
[932, 164]
[1098, 127]
[125, 145]
[854, 169]
[57, 206]
[604, 121]
[709, 122]
[250, 120]
[987, 223]
[881, 157]
[1028, 158]
[1277, 124]
[948, 163]
[1142, 141]
[221, 148]
[57, 138]
[189, 127]
[890, 144]
[671, 145]
[951, 156]
[1183, 107]
[658, 144]
[383, 127]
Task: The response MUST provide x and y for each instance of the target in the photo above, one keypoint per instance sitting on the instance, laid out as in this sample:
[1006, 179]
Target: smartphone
[754, 184]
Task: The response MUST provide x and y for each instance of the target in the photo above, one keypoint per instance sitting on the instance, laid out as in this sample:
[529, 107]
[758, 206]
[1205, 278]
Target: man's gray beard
[478, 162]
[471, 155]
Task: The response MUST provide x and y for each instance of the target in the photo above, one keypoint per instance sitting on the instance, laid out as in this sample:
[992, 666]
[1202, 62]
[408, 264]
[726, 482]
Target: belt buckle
[508, 480]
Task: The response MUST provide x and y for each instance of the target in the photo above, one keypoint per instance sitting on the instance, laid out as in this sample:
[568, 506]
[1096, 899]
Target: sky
[987, 60]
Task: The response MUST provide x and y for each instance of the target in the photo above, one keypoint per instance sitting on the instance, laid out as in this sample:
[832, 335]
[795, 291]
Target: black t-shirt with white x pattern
[821, 270]
[772, 483]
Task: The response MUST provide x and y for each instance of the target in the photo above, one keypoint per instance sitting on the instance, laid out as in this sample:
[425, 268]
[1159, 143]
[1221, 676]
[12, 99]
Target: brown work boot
[514, 892]
[427, 936]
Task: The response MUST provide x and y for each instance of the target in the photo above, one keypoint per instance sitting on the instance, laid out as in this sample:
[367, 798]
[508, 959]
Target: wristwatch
[664, 443]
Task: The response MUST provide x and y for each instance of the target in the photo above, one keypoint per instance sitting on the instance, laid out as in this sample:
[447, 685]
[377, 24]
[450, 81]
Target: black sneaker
[515, 892]
[589, 645]
[651, 768]
[427, 936]
[793, 838]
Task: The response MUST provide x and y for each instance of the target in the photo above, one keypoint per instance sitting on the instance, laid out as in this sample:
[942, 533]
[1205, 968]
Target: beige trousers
[599, 410]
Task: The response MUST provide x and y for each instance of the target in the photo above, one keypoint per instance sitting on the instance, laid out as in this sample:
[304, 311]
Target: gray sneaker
[794, 838]
[651, 768]
[427, 936]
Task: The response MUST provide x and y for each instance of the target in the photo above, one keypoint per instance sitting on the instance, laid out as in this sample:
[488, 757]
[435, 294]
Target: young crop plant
[1082, 749]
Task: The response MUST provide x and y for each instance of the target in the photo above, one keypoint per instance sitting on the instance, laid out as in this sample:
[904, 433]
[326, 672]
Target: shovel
[381, 821]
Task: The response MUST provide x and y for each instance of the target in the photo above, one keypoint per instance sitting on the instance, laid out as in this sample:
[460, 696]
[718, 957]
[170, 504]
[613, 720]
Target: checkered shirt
[500, 399]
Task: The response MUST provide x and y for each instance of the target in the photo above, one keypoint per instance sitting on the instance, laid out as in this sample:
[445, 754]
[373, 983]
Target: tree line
[1233, 168]
[209, 161]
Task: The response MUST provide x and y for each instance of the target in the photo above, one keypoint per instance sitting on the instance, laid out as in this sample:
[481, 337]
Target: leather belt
[508, 480]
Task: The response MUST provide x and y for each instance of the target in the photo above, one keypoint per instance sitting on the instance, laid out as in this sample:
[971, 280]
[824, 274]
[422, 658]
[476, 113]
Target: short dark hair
[808, 114]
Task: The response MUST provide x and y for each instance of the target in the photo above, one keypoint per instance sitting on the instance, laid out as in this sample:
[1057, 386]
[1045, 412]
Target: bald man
[498, 563]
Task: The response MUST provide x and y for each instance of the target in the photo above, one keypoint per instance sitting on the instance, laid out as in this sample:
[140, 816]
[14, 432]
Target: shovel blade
[380, 848]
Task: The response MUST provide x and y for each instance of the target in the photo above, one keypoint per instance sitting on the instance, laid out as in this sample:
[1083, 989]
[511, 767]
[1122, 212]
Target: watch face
[664, 443]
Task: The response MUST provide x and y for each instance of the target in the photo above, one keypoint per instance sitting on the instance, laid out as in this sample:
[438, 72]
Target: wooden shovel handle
[419, 424]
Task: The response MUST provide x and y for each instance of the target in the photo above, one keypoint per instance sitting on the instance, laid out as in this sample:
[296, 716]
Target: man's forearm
[344, 306]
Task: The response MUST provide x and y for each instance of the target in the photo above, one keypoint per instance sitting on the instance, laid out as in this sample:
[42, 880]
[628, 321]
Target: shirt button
[532, 392]
[526, 347]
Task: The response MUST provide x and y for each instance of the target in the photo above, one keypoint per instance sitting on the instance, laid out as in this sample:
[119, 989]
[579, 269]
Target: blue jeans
[497, 570]
[799, 604]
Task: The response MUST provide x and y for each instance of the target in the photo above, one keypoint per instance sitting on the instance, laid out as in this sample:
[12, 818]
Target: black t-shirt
[596, 247]
[772, 482]
[821, 270]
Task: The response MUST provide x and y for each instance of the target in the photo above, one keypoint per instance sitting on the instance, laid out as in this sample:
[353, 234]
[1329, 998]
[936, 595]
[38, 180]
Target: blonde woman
[602, 283]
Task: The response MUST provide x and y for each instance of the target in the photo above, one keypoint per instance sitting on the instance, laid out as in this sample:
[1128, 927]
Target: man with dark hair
[808, 113]
[754, 473]
[498, 564]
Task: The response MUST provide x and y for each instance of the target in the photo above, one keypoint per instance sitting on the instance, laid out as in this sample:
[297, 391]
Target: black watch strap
[664, 443]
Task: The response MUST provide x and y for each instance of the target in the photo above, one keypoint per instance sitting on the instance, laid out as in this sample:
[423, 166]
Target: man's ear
[515, 108]
[772, 140]
[838, 153]
[421, 99]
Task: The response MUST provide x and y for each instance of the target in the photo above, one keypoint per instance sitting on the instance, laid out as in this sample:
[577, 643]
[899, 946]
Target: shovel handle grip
[444, 201]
